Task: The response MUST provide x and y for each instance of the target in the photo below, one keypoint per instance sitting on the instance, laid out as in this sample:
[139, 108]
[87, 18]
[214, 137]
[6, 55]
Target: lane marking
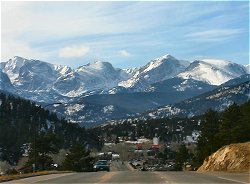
[233, 180]
[106, 177]
[163, 177]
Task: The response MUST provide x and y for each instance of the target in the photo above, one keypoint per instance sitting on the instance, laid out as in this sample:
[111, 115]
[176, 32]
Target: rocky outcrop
[233, 157]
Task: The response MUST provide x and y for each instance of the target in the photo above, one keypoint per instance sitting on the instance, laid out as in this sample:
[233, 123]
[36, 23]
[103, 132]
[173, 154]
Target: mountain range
[98, 92]
[233, 91]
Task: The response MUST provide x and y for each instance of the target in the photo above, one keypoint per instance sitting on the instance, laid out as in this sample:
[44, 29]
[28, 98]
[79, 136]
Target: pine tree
[181, 157]
[78, 159]
[207, 142]
[228, 127]
[244, 127]
[41, 149]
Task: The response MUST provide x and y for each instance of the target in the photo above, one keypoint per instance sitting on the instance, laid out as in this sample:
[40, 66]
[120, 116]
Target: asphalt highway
[138, 177]
[124, 174]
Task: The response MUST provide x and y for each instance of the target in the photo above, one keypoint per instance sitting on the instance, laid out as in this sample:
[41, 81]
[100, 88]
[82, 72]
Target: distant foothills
[97, 93]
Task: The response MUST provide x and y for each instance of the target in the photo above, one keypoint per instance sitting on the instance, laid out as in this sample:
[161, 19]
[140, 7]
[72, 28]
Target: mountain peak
[164, 57]
[17, 59]
[213, 71]
[14, 64]
[99, 62]
[97, 65]
[168, 56]
[102, 63]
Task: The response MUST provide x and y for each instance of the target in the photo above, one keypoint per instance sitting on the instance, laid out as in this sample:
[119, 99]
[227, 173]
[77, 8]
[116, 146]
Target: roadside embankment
[233, 157]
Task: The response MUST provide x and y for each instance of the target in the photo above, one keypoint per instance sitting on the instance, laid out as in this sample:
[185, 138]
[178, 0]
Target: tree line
[220, 129]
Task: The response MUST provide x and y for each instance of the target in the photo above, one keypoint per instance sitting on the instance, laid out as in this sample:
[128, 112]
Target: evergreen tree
[229, 125]
[78, 159]
[232, 126]
[243, 128]
[41, 149]
[182, 157]
[169, 154]
[207, 142]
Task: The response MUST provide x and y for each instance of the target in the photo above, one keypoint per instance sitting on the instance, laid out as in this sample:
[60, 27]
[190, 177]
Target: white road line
[233, 180]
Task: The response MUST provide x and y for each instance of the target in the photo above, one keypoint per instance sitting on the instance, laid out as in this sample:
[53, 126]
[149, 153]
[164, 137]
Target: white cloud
[214, 34]
[41, 29]
[73, 51]
[124, 53]
[14, 48]
[40, 21]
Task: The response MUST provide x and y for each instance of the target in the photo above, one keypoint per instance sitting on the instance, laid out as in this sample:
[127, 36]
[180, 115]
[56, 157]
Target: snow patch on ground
[108, 109]
[70, 110]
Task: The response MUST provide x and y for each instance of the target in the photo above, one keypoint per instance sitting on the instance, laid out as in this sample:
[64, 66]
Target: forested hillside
[22, 122]
[166, 129]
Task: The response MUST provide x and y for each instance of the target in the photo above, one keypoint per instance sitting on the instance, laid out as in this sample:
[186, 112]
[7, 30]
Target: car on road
[101, 165]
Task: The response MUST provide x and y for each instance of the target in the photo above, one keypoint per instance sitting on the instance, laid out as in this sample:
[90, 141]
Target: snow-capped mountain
[90, 77]
[214, 72]
[178, 84]
[156, 70]
[233, 91]
[32, 75]
[101, 77]
[98, 92]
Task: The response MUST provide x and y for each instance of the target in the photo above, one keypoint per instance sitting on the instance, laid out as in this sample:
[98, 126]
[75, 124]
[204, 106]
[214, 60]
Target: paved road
[138, 177]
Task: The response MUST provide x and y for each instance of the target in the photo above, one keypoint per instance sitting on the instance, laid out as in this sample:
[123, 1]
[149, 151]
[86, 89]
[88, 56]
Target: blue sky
[126, 34]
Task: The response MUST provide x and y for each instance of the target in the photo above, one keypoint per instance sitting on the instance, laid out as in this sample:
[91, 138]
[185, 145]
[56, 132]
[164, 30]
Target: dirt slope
[233, 157]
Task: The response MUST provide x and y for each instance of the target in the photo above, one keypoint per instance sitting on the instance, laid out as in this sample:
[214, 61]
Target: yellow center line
[106, 177]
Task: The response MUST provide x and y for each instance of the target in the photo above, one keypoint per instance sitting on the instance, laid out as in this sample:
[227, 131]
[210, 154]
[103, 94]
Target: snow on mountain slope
[95, 76]
[177, 84]
[104, 72]
[159, 69]
[214, 72]
[130, 71]
[12, 67]
[247, 68]
[165, 80]
[217, 99]
[32, 75]
[63, 70]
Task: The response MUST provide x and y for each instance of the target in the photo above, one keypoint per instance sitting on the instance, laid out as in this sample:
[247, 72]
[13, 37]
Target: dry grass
[20, 176]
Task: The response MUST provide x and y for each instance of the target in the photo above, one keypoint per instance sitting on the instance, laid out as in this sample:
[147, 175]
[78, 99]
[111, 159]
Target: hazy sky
[126, 34]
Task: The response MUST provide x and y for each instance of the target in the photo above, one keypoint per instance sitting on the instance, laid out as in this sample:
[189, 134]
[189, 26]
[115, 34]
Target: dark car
[102, 165]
